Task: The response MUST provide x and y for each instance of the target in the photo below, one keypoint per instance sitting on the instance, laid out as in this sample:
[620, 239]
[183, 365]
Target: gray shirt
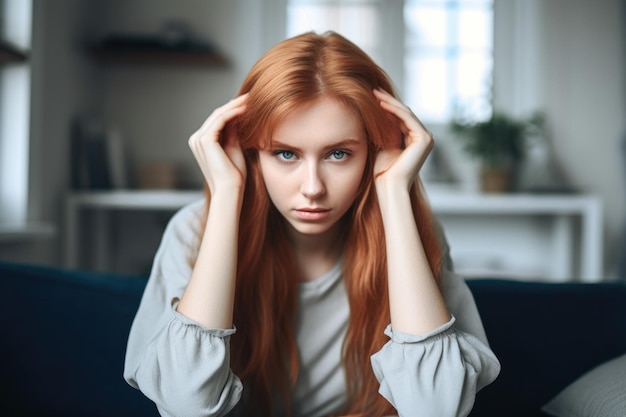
[185, 368]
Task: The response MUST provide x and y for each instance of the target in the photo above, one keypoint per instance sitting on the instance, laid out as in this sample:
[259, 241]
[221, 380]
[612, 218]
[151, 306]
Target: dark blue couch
[545, 335]
[64, 335]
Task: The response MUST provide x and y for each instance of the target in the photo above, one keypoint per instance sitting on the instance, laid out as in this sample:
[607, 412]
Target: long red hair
[264, 354]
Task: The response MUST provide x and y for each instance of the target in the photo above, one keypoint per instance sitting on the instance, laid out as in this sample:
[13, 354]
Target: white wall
[157, 108]
[566, 57]
[61, 88]
[583, 90]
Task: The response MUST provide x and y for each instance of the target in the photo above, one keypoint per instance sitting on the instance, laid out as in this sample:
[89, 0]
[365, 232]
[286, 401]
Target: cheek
[272, 179]
[352, 183]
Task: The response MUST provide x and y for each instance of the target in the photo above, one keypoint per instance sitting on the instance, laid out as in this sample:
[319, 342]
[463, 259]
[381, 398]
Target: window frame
[393, 38]
[449, 53]
[15, 114]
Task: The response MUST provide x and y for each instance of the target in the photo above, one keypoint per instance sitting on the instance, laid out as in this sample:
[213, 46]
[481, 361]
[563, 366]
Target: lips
[312, 213]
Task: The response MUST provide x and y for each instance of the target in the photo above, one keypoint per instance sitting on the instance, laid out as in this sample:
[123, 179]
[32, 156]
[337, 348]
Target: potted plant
[499, 145]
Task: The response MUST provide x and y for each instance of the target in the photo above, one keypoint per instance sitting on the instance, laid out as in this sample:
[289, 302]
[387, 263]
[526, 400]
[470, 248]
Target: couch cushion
[601, 392]
[545, 335]
[64, 338]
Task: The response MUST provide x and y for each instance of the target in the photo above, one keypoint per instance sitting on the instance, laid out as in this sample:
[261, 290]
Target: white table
[563, 232]
[101, 203]
[556, 237]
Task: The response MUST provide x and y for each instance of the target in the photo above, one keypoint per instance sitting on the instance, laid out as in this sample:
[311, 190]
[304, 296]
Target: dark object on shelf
[89, 157]
[98, 157]
[125, 49]
[11, 54]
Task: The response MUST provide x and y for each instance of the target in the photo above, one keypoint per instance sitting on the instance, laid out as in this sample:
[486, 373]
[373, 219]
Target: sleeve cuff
[399, 337]
[190, 322]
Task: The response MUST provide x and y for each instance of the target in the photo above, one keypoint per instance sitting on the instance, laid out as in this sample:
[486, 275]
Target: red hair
[264, 354]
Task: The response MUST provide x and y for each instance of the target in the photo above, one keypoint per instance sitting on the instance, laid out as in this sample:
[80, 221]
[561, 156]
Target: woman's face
[313, 167]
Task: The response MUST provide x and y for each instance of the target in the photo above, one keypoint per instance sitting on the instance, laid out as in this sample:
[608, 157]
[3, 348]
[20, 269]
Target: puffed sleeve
[180, 365]
[438, 374]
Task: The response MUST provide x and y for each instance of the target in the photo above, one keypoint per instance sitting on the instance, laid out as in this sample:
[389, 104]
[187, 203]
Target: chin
[311, 229]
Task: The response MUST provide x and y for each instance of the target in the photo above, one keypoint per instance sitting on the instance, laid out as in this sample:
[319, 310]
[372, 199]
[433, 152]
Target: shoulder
[188, 219]
[183, 232]
[455, 290]
[461, 304]
[457, 294]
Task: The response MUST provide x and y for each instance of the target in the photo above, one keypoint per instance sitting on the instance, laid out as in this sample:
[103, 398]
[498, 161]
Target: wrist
[391, 194]
[389, 183]
[228, 196]
[390, 187]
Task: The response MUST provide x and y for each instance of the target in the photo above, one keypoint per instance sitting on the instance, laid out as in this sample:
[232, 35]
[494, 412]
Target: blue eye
[339, 155]
[285, 155]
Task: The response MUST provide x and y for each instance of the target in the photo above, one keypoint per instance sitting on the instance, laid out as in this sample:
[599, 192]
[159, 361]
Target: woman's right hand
[216, 148]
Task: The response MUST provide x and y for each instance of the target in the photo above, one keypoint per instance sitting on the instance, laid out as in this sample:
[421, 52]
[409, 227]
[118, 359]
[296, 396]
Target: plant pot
[496, 180]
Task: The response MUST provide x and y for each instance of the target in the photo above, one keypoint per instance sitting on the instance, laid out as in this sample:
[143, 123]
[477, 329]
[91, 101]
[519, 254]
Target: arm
[178, 351]
[182, 367]
[417, 305]
[209, 296]
[434, 363]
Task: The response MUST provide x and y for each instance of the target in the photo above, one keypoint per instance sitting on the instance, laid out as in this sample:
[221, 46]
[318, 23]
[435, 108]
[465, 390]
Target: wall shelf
[108, 55]
[10, 54]
[153, 51]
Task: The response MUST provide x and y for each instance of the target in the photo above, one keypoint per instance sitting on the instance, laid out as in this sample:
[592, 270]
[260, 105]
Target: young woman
[312, 280]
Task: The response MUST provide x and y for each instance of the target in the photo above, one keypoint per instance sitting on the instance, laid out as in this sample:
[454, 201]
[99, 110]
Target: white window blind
[439, 53]
[15, 29]
[448, 60]
[371, 24]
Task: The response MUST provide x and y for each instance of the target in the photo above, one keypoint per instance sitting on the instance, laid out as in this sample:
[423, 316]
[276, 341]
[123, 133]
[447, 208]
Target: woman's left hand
[401, 162]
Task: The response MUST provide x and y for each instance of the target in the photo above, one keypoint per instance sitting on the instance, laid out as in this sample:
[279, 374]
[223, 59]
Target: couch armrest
[545, 335]
[64, 341]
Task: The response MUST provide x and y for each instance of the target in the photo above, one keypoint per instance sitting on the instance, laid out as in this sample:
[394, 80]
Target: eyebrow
[345, 143]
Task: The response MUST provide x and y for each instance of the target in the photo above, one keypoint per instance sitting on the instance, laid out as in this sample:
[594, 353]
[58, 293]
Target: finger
[395, 106]
[411, 126]
[213, 133]
[215, 124]
[218, 114]
[391, 102]
[230, 138]
[232, 147]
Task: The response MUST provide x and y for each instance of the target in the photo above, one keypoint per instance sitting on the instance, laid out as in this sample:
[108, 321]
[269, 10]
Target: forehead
[323, 122]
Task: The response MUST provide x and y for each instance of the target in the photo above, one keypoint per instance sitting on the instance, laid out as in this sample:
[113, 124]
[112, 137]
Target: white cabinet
[523, 236]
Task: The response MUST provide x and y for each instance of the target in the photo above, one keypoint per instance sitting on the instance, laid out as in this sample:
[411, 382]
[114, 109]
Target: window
[15, 29]
[346, 17]
[371, 24]
[440, 57]
[449, 58]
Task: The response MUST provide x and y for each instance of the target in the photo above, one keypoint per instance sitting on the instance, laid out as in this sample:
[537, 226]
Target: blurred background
[98, 99]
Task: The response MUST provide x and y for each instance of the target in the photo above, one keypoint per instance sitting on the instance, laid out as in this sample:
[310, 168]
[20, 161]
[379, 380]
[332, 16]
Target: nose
[312, 185]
